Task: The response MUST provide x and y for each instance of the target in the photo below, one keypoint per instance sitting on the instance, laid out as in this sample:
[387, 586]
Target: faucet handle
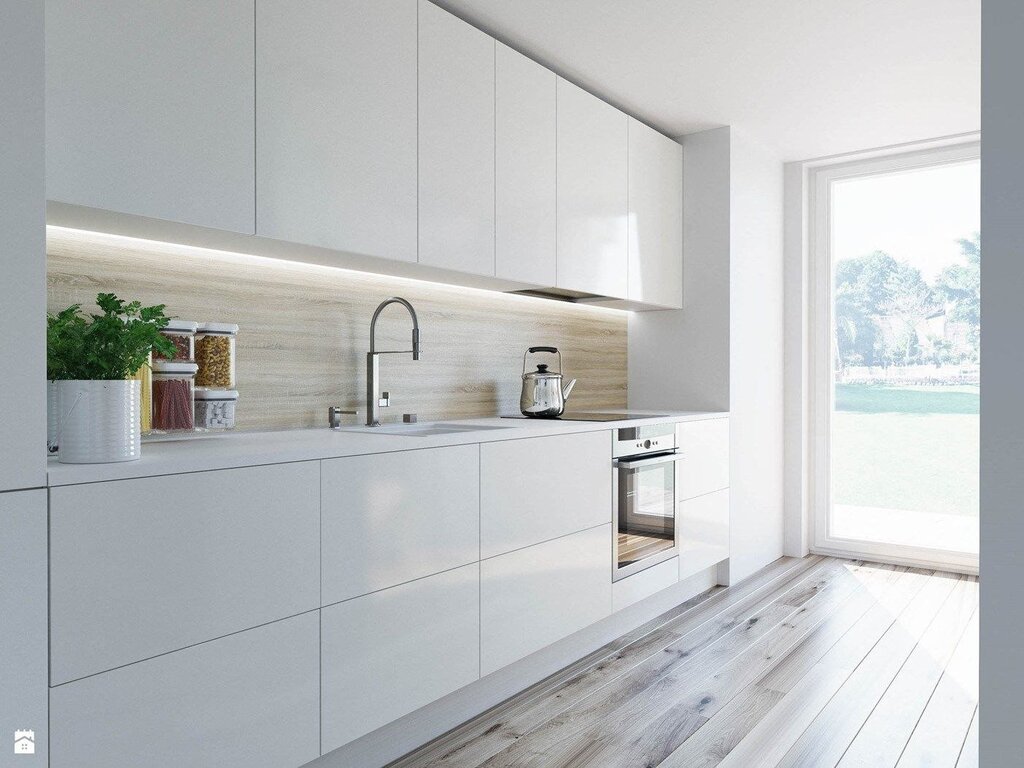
[334, 414]
[385, 400]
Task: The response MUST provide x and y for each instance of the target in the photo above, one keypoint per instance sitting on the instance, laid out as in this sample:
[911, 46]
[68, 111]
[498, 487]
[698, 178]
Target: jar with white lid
[215, 408]
[173, 395]
[215, 355]
[182, 334]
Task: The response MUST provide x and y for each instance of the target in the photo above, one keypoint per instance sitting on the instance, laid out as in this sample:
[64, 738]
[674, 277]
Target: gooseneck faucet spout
[374, 402]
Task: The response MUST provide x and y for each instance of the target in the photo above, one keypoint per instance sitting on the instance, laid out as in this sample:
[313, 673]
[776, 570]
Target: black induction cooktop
[584, 416]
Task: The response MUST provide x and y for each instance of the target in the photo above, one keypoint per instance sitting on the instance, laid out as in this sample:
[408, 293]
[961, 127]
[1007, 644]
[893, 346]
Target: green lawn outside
[913, 448]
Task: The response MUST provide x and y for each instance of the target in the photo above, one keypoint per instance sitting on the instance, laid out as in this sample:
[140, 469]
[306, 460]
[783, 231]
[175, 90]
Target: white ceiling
[807, 77]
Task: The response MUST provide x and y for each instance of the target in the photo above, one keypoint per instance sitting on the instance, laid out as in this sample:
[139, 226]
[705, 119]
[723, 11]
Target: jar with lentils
[215, 355]
[182, 334]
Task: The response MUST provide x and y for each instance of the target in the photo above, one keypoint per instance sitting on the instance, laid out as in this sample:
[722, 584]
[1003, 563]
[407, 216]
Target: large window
[897, 259]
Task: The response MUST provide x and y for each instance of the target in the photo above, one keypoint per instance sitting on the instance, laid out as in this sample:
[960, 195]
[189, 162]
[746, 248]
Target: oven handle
[649, 461]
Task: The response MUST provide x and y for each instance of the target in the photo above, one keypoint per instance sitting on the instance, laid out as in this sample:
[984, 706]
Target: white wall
[756, 357]
[1002, 415]
[724, 349]
[797, 487]
[22, 248]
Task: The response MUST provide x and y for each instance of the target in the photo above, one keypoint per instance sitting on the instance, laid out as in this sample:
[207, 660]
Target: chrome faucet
[373, 402]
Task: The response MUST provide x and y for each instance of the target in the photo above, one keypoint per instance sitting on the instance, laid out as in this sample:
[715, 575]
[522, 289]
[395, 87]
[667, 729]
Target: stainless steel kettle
[543, 396]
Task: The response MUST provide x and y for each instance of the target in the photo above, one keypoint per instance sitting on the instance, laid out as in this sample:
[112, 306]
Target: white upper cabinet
[524, 164]
[655, 217]
[592, 190]
[149, 109]
[336, 124]
[456, 143]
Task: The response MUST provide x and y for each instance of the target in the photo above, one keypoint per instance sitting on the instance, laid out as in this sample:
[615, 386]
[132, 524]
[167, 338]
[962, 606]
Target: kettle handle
[552, 350]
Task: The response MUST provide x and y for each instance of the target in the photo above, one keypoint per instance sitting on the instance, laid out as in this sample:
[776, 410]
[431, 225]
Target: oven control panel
[653, 438]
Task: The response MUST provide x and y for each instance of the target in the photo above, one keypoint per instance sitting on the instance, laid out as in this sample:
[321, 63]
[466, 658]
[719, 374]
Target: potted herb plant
[90, 361]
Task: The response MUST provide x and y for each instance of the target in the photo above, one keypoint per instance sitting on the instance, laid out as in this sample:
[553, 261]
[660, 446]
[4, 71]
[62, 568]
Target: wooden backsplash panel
[305, 331]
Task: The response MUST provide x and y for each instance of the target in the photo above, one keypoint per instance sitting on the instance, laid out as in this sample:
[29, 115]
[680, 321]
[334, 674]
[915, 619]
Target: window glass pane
[906, 258]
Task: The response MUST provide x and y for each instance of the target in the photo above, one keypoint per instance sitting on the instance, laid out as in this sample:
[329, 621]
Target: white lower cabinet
[647, 582]
[144, 567]
[249, 700]
[394, 517]
[705, 466]
[541, 488]
[535, 596]
[389, 653]
[703, 523]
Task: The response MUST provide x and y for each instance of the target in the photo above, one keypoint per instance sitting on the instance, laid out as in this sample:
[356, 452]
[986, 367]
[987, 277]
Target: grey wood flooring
[810, 662]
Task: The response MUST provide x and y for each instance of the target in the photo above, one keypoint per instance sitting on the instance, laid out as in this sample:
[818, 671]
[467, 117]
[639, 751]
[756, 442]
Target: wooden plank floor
[812, 662]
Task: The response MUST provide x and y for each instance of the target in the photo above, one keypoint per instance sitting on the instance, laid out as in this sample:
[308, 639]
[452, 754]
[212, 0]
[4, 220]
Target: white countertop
[227, 450]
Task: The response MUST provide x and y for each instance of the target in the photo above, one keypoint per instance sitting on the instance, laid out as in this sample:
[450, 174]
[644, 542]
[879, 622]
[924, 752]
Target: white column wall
[724, 349]
[22, 248]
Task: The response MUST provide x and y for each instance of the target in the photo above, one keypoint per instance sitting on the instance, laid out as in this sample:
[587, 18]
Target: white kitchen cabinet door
[249, 700]
[394, 651]
[524, 169]
[703, 530]
[394, 517]
[655, 217]
[149, 109]
[533, 597]
[705, 464]
[143, 567]
[456, 143]
[592, 204]
[645, 583]
[540, 488]
[336, 124]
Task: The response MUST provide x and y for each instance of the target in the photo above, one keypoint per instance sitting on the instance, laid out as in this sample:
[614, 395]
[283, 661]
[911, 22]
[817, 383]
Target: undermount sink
[421, 430]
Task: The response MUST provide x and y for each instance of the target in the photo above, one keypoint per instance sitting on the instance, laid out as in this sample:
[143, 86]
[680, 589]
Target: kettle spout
[568, 389]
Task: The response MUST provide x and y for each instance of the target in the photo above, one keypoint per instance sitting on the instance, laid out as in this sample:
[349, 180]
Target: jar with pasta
[145, 378]
[173, 399]
[215, 355]
[182, 334]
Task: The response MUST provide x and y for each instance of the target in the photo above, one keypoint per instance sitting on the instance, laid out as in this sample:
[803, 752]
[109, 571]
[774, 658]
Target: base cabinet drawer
[148, 566]
[399, 516]
[705, 468]
[541, 488]
[647, 582]
[250, 700]
[394, 651]
[703, 532]
[535, 596]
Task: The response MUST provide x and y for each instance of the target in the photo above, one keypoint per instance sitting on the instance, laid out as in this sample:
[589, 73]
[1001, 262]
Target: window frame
[821, 395]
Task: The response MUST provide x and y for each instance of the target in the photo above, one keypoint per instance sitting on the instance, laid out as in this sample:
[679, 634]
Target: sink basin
[421, 430]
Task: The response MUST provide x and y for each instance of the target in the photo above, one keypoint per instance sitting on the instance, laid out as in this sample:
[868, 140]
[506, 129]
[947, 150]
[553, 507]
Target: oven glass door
[646, 531]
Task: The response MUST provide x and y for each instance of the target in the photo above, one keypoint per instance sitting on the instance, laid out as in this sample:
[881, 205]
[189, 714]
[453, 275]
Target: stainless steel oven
[644, 485]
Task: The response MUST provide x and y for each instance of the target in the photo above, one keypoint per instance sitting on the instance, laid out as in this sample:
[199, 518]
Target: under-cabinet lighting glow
[68, 235]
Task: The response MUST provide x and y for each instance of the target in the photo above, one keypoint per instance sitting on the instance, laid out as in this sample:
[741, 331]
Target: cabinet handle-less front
[648, 461]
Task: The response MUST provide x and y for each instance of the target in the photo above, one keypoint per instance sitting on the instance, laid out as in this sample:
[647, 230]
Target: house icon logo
[24, 742]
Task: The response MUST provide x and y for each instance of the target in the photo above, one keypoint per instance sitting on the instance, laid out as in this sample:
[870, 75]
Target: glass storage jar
[215, 355]
[182, 334]
[173, 387]
[215, 408]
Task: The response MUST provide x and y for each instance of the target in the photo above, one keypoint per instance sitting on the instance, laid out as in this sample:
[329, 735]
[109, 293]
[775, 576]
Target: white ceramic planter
[99, 421]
